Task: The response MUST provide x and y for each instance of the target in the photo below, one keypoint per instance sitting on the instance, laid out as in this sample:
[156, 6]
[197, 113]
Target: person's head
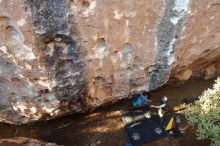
[164, 99]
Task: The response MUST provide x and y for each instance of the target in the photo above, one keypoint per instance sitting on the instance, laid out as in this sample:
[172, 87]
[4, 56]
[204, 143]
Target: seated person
[161, 106]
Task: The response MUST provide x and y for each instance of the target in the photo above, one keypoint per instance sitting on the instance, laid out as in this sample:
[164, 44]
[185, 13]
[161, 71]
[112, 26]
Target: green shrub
[205, 114]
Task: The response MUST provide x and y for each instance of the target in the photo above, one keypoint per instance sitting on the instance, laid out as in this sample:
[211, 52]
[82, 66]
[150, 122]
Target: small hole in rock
[85, 3]
[46, 90]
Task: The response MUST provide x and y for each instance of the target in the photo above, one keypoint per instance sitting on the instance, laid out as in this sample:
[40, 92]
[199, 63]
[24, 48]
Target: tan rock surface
[198, 46]
[22, 141]
[59, 57]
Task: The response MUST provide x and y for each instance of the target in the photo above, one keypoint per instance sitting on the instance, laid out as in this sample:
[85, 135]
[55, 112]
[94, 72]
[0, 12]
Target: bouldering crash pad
[142, 128]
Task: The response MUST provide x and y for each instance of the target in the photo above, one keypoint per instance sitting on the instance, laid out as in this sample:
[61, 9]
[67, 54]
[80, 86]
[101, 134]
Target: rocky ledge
[22, 141]
[68, 56]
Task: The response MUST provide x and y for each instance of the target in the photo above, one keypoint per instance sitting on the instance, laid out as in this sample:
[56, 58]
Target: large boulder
[66, 56]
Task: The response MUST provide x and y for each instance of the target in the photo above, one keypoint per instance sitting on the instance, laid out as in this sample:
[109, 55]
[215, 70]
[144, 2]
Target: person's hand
[152, 106]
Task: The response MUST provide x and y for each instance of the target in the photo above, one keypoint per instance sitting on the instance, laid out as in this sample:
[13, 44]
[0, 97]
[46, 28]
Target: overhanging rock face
[59, 57]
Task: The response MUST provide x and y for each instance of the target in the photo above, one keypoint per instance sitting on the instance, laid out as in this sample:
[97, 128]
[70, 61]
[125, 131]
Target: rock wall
[65, 56]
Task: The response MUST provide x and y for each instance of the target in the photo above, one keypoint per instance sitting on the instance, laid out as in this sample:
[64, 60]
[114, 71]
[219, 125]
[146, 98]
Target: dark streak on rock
[49, 16]
[166, 32]
[63, 63]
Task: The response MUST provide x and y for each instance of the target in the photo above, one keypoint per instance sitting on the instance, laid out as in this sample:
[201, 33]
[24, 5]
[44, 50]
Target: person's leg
[160, 112]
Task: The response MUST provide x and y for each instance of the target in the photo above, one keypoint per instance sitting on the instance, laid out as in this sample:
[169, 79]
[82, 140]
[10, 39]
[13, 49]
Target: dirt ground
[104, 126]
